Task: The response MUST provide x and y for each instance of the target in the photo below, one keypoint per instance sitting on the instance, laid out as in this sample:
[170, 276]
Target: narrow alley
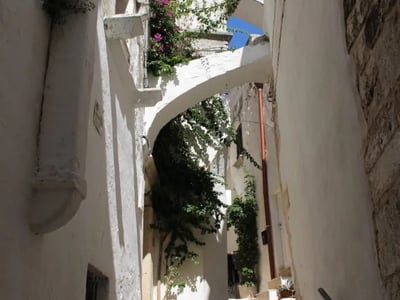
[200, 150]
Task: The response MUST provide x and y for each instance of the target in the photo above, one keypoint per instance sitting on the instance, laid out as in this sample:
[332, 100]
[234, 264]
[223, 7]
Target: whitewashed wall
[320, 144]
[107, 228]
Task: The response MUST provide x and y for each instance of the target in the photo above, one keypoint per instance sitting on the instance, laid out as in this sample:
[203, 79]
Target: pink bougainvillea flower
[157, 37]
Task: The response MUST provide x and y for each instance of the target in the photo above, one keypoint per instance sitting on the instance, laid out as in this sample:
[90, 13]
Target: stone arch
[204, 77]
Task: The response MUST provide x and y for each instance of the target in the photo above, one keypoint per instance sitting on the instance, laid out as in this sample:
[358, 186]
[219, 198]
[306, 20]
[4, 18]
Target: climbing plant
[242, 215]
[171, 44]
[185, 202]
[59, 10]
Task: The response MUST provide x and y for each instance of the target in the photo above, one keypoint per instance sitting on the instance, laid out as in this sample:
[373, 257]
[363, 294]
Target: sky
[240, 38]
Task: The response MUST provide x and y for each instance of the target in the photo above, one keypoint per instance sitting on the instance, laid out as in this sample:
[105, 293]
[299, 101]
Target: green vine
[185, 202]
[251, 159]
[59, 10]
[209, 16]
[242, 215]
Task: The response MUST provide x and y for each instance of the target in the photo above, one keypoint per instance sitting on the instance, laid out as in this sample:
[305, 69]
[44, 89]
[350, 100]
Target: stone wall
[372, 35]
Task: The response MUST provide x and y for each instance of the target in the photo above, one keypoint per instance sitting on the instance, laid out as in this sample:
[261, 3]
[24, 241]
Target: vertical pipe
[267, 211]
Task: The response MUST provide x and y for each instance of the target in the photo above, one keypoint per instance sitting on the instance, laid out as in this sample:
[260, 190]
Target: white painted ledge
[119, 61]
[124, 26]
[204, 77]
[148, 97]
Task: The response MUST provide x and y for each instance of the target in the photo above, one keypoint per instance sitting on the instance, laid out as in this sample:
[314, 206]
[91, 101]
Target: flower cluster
[169, 44]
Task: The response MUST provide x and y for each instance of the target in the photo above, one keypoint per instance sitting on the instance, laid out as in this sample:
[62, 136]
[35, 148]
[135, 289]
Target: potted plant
[286, 289]
[247, 287]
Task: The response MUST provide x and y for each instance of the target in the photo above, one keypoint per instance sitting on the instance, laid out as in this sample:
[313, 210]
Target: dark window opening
[239, 141]
[264, 237]
[96, 285]
[233, 275]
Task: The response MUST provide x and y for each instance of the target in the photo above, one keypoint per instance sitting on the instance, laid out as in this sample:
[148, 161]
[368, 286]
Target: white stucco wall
[320, 153]
[24, 34]
[106, 230]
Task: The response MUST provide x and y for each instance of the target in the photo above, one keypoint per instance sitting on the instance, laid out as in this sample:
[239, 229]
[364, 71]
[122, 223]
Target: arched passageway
[191, 84]
[204, 77]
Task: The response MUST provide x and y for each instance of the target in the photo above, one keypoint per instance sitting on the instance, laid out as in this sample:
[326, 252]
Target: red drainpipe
[267, 211]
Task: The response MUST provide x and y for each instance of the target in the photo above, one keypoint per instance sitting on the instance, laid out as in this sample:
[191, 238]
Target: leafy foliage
[185, 202]
[209, 125]
[170, 44]
[58, 10]
[242, 215]
[209, 15]
[251, 159]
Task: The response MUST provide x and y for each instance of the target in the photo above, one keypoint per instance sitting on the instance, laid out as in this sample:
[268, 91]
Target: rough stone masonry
[373, 40]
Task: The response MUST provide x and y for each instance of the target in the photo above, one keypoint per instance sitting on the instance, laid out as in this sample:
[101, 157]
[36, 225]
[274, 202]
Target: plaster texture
[20, 100]
[59, 184]
[105, 232]
[319, 137]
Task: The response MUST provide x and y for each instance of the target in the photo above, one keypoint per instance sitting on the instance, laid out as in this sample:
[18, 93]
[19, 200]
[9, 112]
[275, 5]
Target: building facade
[78, 121]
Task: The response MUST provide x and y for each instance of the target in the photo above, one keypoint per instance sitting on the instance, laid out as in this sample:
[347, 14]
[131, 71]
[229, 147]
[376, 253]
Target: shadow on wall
[98, 173]
[54, 266]
[206, 278]
[129, 215]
